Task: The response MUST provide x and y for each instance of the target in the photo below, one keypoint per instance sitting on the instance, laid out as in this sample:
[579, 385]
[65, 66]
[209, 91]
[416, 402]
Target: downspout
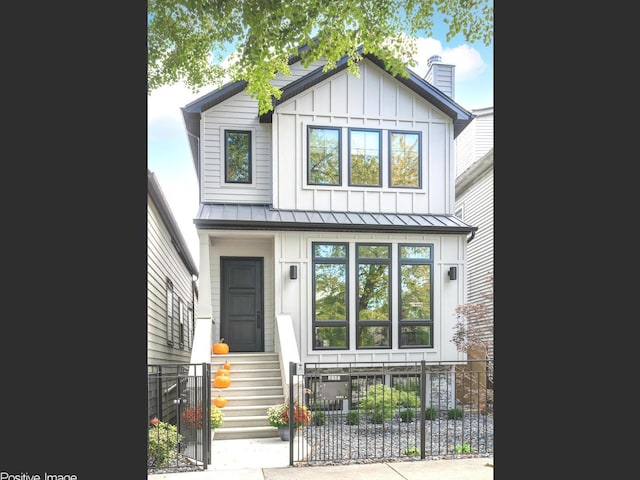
[473, 235]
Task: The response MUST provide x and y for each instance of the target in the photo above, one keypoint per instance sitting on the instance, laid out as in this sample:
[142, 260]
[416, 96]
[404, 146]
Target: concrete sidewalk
[268, 459]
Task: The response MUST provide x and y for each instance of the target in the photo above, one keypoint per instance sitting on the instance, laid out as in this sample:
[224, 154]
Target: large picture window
[416, 296]
[374, 296]
[364, 158]
[237, 156]
[330, 296]
[323, 167]
[404, 159]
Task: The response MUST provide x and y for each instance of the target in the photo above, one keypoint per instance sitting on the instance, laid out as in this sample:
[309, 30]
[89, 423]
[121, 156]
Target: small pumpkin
[222, 381]
[222, 371]
[226, 365]
[220, 347]
[219, 401]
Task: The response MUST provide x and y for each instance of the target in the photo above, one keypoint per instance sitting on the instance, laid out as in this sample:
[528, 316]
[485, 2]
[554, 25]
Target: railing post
[423, 404]
[292, 369]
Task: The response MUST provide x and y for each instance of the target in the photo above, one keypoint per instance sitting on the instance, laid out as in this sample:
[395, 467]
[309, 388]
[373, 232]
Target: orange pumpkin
[220, 347]
[222, 371]
[222, 381]
[219, 401]
[226, 365]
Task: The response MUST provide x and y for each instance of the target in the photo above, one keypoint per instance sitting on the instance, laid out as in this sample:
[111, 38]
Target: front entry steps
[256, 384]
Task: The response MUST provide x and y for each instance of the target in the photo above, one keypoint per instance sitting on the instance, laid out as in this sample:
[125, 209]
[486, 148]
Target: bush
[430, 413]
[216, 417]
[319, 418]
[163, 440]
[382, 401]
[407, 415]
[353, 417]
[454, 413]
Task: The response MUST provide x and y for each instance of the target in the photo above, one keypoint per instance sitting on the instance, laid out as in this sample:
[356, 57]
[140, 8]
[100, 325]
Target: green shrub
[407, 415]
[353, 417]
[382, 401]
[414, 451]
[319, 418]
[163, 440]
[430, 413]
[462, 448]
[454, 413]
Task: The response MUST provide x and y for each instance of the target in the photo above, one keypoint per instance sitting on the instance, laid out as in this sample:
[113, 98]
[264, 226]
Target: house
[474, 204]
[327, 226]
[172, 294]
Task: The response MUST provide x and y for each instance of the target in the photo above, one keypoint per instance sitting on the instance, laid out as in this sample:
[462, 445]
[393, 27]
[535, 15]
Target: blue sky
[169, 154]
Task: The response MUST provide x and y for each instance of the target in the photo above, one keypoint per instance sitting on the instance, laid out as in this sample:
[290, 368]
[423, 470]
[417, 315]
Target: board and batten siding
[374, 100]
[164, 262]
[294, 297]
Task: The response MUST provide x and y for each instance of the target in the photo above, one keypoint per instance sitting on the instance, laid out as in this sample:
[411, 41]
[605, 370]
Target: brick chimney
[441, 75]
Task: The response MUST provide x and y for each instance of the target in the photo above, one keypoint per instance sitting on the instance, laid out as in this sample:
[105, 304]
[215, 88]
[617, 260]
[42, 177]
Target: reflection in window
[237, 156]
[323, 156]
[364, 158]
[416, 288]
[404, 156]
[374, 295]
[330, 296]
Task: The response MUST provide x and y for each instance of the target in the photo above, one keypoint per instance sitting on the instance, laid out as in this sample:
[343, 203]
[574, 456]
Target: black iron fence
[360, 413]
[179, 409]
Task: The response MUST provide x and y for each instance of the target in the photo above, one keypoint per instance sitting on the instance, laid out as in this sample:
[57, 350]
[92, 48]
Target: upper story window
[330, 317]
[324, 153]
[237, 156]
[364, 158]
[404, 159]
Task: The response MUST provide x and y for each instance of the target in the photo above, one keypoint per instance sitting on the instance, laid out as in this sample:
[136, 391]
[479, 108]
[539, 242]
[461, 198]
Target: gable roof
[193, 110]
[155, 192]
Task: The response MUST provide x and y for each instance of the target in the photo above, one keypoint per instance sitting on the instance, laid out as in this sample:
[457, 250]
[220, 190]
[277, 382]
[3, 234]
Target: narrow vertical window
[416, 296]
[181, 322]
[323, 164]
[191, 326]
[330, 316]
[373, 308]
[364, 158]
[169, 312]
[404, 158]
[237, 156]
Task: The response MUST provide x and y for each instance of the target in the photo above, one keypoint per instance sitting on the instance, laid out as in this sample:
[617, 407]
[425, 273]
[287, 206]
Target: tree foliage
[187, 39]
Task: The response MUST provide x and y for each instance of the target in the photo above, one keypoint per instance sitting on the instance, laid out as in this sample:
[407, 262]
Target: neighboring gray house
[474, 204]
[172, 294]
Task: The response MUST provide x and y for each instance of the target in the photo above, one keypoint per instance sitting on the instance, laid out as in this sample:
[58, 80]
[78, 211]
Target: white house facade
[327, 227]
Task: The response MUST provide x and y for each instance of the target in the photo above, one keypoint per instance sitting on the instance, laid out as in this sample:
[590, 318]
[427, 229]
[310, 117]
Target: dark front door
[241, 323]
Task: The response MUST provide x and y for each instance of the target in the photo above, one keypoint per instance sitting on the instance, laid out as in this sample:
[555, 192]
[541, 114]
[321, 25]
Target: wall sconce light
[293, 272]
[453, 273]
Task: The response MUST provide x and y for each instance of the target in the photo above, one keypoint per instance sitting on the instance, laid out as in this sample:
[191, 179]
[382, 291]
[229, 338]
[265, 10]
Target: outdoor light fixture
[453, 273]
[293, 272]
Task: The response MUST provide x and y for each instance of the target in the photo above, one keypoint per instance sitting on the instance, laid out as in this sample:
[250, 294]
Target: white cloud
[467, 60]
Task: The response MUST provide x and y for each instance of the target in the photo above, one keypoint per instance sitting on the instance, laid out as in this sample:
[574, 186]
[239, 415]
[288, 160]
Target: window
[169, 312]
[330, 317]
[323, 154]
[237, 156]
[191, 326]
[416, 299]
[460, 212]
[374, 296]
[364, 158]
[404, 159]
[181, 317]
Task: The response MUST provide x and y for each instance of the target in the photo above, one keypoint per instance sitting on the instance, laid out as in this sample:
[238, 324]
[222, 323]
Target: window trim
[389, 159]
[248, 133]
[367, 130]
[320, 127]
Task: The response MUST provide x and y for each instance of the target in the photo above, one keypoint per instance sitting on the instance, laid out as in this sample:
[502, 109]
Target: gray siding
[164, 262]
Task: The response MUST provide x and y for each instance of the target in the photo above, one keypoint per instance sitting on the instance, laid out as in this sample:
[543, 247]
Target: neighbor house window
[237, 156]
[404, 159]
[191, 326]
[373, 307]
[364, 158]
[181, 317]
[330, 316]
[416, 295]
[169, 312]
[323, 167]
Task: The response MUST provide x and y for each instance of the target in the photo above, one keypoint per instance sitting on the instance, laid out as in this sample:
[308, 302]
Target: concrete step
[245, 432]
[247, 391]
[246, 410]
[246, 421]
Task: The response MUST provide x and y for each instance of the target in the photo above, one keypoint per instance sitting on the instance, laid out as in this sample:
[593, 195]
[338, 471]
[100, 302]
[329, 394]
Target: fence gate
[179, 409]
